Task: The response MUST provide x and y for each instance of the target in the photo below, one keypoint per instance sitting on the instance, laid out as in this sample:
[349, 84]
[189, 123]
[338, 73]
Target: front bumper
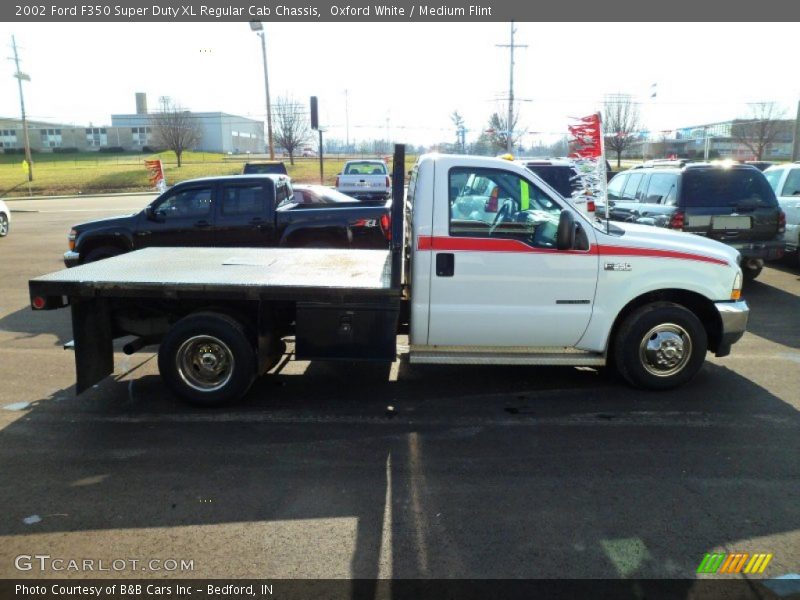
[72, 259]
[769, 250]
[733, 316]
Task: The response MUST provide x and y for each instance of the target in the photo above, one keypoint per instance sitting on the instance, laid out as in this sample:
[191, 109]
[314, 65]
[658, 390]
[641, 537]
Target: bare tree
[620, 123]
[291, 125]
[499, 131]
[761, 129]
[175, 129]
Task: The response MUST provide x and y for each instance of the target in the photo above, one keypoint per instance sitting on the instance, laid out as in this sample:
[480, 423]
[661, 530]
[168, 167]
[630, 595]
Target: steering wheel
[502, 214]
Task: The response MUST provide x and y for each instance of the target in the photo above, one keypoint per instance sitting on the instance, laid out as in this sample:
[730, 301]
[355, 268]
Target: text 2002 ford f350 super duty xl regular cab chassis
[530, 282]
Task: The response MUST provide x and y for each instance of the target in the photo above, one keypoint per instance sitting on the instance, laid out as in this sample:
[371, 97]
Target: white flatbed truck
[519, 277]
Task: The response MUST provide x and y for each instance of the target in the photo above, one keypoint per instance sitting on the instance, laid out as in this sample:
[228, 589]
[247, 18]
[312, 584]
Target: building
[715, 140]
[220, 132]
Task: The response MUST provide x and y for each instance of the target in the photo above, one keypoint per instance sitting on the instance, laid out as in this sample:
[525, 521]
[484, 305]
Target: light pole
[259, 28]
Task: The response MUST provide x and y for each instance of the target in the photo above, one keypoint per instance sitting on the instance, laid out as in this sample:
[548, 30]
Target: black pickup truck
[249, 211]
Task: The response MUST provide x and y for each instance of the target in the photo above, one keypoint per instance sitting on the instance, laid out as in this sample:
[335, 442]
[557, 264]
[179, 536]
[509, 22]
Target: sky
[404, 80]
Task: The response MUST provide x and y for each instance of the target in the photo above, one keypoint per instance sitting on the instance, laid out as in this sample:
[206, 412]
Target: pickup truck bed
[266, 273]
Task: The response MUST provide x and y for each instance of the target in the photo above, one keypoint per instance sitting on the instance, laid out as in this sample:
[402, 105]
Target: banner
[156, 172]
[589, 157]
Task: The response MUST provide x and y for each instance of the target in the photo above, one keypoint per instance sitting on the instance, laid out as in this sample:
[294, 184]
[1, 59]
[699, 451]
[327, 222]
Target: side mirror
[152, 214]
[565, 237]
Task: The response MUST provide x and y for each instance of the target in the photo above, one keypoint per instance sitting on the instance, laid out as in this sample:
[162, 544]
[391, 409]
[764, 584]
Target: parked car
[5, 219]
[236, 211]
[730, 203]
[785, 182]
[364, 179]
[273, 167]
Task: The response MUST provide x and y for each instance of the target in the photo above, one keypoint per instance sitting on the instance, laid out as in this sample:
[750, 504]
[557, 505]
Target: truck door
[243, 216]
[179, 217]
[497, 278]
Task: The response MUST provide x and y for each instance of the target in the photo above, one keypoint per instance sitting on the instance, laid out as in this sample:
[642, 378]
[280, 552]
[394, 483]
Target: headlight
[736, 291]
[71, 239]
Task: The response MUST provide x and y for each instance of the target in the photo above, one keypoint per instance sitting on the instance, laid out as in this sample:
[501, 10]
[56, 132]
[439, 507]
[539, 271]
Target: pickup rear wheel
[660, 346]
[207, 359]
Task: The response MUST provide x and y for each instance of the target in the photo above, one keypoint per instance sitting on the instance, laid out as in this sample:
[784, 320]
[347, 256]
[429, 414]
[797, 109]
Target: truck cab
[503, 270]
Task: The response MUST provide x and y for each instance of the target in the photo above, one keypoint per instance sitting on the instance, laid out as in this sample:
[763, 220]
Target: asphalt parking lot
[476, 472]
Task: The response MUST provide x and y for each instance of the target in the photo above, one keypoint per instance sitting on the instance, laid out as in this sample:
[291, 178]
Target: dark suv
[730, 203]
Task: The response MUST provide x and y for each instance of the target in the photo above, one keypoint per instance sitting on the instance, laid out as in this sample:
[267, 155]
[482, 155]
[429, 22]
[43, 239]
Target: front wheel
[660, 346]
[3, 225]
[207, 359]
[751, 268]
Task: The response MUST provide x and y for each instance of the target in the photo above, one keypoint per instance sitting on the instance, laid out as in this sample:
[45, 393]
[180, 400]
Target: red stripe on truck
[470, 244]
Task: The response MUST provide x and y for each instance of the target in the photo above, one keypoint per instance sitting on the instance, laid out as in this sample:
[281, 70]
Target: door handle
[445, 264]
[257, 221]
[202, 223]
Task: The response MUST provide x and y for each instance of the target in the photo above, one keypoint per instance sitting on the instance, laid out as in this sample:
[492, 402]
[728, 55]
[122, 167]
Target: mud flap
[94, 352]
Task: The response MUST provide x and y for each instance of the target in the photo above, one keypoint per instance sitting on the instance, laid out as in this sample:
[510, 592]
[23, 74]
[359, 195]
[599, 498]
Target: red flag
[585, 137]
[156, 171]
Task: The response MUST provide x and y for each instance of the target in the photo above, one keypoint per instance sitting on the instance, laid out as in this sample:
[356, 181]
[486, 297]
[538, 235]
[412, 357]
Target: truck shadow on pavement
[765, 302]
[490, 472]
[28, 323]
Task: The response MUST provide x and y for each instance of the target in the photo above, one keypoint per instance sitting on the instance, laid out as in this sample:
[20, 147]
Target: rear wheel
[207, 359]
[660, 346]
[3, 225]
[101, 253]
[751, 268]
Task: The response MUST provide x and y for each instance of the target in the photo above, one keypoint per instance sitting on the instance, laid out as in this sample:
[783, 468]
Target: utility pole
[510, 122]
[796, 140]
[20, 77]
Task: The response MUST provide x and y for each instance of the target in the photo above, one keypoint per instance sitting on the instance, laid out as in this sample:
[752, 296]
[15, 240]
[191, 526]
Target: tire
[3, 225]
[101, 253]
[207, 359]
[647, 346]
[751, 269]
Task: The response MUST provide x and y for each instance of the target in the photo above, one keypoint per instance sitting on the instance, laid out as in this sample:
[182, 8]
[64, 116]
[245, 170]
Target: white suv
[785, 181]
[5, 219]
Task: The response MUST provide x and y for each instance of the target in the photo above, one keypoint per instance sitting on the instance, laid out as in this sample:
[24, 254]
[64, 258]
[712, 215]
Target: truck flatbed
[253, 273]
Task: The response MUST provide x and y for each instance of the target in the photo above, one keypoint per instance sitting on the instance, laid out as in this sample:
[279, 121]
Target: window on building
[96, 137]
[51, 138]
[141, 135]
[8, 138]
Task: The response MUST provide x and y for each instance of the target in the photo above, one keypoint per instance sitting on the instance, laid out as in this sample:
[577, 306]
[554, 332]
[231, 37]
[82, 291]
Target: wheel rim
[205, 363]
[3, 225]
[665, 349]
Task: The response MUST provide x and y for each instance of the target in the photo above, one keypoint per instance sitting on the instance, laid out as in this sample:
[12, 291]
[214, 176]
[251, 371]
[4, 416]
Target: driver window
[188, 203]
[501, 204]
